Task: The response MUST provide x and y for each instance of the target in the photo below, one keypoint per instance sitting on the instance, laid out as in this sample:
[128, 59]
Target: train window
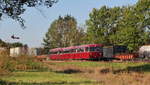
[66, 51]
[96, 49]
[87, 49]
[100, 49]
[73, 50]
[69, 51]
[59, 52]
[80, 50]
[62, 52]
[92, 48]
[53, 52]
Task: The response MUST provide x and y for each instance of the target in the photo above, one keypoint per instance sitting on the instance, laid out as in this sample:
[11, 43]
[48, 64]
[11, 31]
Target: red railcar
[91, 51]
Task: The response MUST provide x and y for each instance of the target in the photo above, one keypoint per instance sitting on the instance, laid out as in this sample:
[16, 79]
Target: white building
[17, 51]
[144, 51]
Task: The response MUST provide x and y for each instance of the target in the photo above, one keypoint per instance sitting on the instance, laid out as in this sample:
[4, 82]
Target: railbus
[85, 52]
[91, 52]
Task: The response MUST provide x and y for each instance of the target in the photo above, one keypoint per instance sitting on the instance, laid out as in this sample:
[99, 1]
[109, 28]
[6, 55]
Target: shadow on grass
[141, 68]
[69, 71]
[47, 83]
[105, 71]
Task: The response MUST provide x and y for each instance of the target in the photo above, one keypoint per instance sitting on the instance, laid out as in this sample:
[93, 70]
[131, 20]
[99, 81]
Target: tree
[16, 44]
[63, 32]
[14, 8]
[142, 10]
[2, 43]
[102, 23]
[10, 45]
[127, 25]
[130, 37]
[132, 28]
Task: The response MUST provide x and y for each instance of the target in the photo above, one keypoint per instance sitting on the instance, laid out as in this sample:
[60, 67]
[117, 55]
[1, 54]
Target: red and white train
[90, 52]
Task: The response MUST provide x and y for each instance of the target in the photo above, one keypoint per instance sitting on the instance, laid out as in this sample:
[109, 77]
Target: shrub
[6, 64]
[22, 63]
[29, 63]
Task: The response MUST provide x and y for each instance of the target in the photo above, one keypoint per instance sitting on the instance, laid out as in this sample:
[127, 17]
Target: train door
[108, 52]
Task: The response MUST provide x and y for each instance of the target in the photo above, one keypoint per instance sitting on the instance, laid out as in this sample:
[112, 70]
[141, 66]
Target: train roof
[55, 49]
[90, 45]
[82, 46]
[71, 47]
[75, 47]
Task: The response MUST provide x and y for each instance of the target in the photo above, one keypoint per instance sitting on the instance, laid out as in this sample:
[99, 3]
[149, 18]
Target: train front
[95, 51]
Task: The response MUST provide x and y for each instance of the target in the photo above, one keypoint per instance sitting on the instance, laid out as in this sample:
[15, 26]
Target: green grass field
[83, 73]
[101, 64]
[140, 66]
[48, 78]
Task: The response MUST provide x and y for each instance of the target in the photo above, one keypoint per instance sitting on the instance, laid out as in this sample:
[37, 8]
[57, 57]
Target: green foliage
[92, 73]
[130, 37]
[127, 26]
[10, 45]
[2, 43]
[6, 64]
[14, 8]
[29, 63]
[16, 44]
[22, 63]
[63, 32]
[102, 23]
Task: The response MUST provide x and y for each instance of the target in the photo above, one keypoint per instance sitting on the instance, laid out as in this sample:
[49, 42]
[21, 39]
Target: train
[91, 52]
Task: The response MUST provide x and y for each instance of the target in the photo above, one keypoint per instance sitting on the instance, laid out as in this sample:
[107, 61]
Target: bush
[22, 63]
[29, 63]
[6, 64]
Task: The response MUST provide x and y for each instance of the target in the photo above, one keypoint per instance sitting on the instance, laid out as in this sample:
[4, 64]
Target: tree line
[127, 25]
[10, 45]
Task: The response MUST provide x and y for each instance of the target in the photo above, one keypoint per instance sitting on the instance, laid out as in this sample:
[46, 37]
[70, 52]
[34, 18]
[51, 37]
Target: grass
[84, 73]
[51, 78]
[118, 65]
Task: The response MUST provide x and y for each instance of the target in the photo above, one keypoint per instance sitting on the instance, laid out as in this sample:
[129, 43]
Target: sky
[38, 20]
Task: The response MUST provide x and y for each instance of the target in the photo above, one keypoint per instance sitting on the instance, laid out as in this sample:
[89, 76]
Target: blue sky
[38, 22]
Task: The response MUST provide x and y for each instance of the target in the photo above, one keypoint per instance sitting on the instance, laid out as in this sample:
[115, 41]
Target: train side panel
[76, 56]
